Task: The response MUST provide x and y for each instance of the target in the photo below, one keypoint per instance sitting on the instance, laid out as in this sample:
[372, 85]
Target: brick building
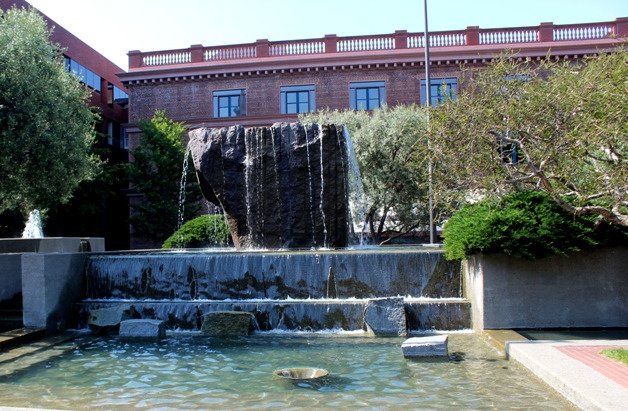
[265, 82]
[109, 97]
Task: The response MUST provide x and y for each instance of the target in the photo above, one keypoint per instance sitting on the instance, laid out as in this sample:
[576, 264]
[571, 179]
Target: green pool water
[193, 372]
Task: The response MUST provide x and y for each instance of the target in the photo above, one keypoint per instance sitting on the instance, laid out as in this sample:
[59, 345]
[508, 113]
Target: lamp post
[428, 89]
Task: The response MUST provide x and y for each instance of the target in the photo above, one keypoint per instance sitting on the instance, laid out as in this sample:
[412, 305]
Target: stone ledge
[432, 346]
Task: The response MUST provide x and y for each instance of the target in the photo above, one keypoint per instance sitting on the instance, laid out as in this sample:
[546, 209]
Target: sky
[114, 27]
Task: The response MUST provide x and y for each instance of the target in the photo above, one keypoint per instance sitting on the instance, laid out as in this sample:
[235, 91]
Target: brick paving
[590, 355]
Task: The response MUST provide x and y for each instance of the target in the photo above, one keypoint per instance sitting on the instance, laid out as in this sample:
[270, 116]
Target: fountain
[33, 228]
[283, 189]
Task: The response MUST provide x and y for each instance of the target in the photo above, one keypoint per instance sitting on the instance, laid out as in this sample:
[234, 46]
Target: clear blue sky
[113, 27]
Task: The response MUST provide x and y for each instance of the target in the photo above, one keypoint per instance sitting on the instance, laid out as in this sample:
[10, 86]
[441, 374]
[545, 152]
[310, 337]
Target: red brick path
[590, 355]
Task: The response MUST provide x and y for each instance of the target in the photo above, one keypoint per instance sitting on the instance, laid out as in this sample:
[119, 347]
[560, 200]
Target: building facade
[261, 83]
[109, 97]
[265, 82]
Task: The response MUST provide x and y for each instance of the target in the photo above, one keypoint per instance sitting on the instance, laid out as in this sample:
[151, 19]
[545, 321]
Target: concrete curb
[576, 381]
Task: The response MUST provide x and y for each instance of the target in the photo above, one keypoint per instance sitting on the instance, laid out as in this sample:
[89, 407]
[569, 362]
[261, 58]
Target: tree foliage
[391, 150]
[46, 126]
[560, 127]
[155, 172]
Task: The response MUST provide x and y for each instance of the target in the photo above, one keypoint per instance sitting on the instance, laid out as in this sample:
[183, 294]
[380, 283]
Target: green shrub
[204, 231]
[526, 224]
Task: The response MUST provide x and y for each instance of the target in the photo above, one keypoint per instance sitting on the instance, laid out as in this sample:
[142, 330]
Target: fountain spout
[33, 228]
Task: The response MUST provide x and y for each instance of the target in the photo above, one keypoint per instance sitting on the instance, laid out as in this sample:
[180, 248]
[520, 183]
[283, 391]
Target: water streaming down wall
[272, 275]
[284, 290]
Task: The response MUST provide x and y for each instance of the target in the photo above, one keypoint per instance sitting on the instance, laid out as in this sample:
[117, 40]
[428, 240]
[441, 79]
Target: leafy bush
[203, 231]
[526, 224]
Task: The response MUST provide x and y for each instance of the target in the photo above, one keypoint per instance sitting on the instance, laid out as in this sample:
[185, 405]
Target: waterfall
[357, 201]
[182, 186]
[311, 196]
[320, 139]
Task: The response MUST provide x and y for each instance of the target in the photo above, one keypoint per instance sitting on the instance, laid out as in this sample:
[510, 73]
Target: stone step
[297, 314]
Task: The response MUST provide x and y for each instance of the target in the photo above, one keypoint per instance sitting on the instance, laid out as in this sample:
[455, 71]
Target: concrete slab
[580, 381]
[432, 346]
[500, 338]
[143, 329]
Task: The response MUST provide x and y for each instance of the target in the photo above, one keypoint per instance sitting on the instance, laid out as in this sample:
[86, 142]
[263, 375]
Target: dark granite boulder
[283, 186]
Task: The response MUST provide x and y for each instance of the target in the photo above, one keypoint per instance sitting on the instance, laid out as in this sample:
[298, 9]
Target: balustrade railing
[229, 53]
[472, 36]
[365, 43]
[292, 48]
[510, 36]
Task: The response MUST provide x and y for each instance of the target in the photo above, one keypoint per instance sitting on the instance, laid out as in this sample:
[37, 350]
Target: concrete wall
[51, 286]
[52, 245]
[587, 289]
[10, 276]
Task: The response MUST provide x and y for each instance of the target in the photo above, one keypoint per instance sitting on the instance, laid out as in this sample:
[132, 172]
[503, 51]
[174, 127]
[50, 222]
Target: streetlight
[428, 89]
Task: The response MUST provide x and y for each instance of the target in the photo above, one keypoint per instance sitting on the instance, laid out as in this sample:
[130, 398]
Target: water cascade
[287, 189]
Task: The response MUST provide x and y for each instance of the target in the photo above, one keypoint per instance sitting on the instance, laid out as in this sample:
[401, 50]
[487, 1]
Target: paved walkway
[577, 370]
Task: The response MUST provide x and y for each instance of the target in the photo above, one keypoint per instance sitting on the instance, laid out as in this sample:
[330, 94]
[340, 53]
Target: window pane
[291, 98]
[360, 94]
[361, 104]
[291, 108]
[223, 112]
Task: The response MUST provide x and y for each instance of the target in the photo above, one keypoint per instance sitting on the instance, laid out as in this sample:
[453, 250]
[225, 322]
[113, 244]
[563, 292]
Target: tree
[561, 127]
[46, 126]
[155, 172]
[391, 150]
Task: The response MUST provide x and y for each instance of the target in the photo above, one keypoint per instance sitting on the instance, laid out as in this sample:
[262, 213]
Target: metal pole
[428, 90]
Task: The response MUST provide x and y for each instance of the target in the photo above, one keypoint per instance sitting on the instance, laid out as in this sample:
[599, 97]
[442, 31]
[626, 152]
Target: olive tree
[560, 127]
[391, 150]
[46, 126]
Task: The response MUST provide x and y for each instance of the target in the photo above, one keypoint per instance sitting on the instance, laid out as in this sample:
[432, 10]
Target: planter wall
[587, 289]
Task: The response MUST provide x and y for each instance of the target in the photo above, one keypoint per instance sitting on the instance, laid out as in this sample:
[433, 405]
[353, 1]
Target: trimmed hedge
[204, 231]
[526, 224]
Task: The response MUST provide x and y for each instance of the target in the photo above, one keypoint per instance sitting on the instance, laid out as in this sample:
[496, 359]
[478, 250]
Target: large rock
[143, 328]
[109, 317]
[282, 186]
[385, 317]
[227, 323]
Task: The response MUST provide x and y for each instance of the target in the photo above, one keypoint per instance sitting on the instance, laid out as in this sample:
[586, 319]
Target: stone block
[385, 317]
[143, 329]
[432, 346]
[227, 323]
[109, 317]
